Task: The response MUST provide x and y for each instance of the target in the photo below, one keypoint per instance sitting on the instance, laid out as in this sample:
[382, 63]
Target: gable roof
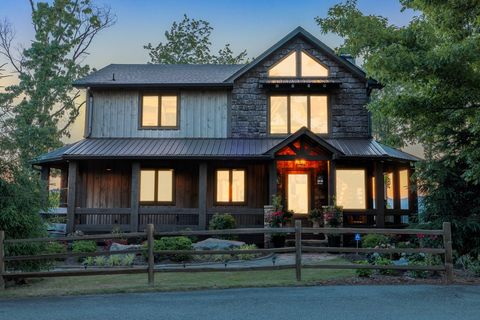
[299, 31]
[160, 74]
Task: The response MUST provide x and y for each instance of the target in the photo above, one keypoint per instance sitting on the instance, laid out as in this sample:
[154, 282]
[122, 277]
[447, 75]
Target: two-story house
[174, 144]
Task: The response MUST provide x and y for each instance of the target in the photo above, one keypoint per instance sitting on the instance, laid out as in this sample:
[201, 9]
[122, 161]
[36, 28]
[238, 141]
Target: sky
[254, 25]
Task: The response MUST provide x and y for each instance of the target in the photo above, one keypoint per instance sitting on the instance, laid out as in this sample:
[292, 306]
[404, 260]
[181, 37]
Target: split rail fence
[298, 249]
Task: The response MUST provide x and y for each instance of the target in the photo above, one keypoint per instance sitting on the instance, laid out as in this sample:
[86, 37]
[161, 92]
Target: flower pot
[278, 241]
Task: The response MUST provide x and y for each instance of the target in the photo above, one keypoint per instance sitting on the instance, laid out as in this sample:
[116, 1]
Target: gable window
[351, 188]
[288, 113]
[230, 186]
[157, 186]
[298, 64]
[159, 111]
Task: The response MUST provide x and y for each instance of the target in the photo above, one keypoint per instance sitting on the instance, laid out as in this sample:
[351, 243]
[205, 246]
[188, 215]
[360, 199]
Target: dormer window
[298, 64]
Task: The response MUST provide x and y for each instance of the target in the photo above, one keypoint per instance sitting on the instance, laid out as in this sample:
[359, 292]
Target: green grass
[172, 282]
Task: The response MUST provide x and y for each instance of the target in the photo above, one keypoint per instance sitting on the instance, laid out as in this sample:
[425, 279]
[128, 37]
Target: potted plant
[333, 218]
[277, 220]
[316, 217]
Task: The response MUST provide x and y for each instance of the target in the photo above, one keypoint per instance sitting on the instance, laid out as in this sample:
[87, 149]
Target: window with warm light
[288, 113]
[389, 193]
[159, 111]
[298, 64]
[157, 186]
[351, 188]
[230, 186]
[403, 180]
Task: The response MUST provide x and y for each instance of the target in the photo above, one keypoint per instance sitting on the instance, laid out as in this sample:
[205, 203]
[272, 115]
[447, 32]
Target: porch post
[272, 179]
[379, 194]
[135, 197]
[202, 195]
[72, 187]
[45, 178]
[331, 181]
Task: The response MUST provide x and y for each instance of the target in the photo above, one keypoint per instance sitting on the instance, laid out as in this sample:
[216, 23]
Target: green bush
[247, 256]
[114, 260]
[223, 222]
[100, 261]
[364, 273]
[84, 246]
[380, 261]
[375, 240]
[171, 243]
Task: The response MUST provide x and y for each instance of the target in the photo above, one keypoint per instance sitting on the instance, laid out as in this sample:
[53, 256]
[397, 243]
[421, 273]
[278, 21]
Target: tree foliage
[188, 42]
[430, 70]
[39, 110]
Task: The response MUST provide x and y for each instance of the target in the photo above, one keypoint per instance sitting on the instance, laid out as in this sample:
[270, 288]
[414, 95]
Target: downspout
[89, 113]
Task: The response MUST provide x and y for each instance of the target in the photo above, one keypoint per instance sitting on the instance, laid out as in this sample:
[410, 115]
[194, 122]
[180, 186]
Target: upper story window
[298, 64]
[159, 111]
[288, 113]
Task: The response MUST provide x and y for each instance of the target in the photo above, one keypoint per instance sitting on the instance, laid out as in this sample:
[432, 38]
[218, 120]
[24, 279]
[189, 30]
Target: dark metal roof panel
[175, 148]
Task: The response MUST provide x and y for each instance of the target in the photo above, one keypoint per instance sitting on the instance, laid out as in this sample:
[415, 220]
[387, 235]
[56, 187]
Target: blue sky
[245, 24]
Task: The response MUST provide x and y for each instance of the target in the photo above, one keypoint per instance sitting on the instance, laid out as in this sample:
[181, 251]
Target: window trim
[230, 178]
[309, 113]
[298, 66]
[155, 201]
[367, 196]
[159, 112]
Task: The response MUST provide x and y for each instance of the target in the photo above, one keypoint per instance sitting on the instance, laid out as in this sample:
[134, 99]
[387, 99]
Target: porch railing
[298, 249]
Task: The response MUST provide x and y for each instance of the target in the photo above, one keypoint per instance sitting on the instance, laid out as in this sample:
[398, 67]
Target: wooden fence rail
[297, 230]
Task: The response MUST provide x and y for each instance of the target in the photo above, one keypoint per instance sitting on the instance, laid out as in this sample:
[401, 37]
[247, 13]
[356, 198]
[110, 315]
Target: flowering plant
[333, 216]
[279, 218]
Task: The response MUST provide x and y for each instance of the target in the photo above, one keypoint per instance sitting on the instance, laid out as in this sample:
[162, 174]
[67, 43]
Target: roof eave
[152, 85]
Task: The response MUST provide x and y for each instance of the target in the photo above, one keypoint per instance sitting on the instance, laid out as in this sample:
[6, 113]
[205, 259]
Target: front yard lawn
[172, 281]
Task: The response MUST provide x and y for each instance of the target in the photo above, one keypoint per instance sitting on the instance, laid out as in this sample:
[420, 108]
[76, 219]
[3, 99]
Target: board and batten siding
[203, 114]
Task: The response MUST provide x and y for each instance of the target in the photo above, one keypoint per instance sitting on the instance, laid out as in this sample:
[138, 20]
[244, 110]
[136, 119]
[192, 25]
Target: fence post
[2, 261]
[447, 243]
[298, 249]
[151, 258]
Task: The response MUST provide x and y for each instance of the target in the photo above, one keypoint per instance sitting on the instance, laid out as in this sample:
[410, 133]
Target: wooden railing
[150, 269]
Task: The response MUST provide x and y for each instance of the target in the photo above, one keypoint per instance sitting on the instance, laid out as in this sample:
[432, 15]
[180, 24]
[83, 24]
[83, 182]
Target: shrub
[128, 259]
[84, 246]
[380, 261]
[171, 243]
[364, 273]
[55, 247]
[223, 222]
[100, 261]
[375, 240]
[247, 256]
[114, 260]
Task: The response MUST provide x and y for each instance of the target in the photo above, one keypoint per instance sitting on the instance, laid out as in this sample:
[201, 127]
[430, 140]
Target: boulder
[120, 247]
[217, 244]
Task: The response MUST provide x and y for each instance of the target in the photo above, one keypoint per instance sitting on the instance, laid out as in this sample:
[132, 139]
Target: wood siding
[98, 187]
[203, 114]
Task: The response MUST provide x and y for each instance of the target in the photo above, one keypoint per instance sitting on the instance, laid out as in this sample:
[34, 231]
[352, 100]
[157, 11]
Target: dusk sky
[253, 25]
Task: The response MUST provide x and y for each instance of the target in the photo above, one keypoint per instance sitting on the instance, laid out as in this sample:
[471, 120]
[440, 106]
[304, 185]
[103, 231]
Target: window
[298, 64]
[157, 186]
[389, 194]
[350, 188]
[159, 111]
[288, 113]
[230, 185]
[403, 177]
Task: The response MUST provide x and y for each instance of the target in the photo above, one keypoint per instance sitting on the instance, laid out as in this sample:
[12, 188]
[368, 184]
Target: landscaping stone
[119, 247]
[217, 244]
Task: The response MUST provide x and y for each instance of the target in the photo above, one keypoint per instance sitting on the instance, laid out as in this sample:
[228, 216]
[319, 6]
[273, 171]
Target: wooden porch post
[379, 194]
[272, 179]
[45, 178]
[135, 197]
[71, 202]
[202, 195]
[331, 181]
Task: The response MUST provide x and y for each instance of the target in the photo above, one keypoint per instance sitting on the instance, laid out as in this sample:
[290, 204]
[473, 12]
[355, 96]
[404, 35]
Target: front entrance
[298, 192]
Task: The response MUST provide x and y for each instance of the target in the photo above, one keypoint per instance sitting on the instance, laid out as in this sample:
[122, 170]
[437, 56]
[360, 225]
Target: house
[174, 144]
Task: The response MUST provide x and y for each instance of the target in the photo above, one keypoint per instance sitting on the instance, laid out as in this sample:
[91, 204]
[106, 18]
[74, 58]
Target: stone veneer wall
[249, 103]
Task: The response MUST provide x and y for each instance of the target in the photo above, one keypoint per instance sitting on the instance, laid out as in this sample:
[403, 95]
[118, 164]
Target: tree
[188, 42]
[431, 77]
[41, 107]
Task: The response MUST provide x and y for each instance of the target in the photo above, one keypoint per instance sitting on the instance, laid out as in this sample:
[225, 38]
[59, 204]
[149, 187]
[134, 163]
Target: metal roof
[159, 74]
[207, 148]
